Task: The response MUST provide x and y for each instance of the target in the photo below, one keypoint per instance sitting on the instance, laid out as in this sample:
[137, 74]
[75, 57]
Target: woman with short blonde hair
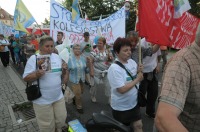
[77, 66]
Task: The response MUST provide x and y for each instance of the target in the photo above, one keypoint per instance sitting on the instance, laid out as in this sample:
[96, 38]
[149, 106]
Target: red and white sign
[157, 24]
[38, 31]
[183, 31]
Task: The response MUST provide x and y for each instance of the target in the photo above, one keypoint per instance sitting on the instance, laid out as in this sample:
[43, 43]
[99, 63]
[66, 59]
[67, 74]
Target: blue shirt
[16, 46]
[77, 68]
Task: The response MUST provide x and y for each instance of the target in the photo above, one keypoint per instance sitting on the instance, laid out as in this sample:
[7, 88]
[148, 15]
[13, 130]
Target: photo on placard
[44, 62]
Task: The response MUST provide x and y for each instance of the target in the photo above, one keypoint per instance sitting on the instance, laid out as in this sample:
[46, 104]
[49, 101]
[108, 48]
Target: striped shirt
[145, 52]
[100, 59]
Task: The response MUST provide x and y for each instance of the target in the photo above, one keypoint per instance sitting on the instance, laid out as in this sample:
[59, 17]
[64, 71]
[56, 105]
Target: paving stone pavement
[10, 94]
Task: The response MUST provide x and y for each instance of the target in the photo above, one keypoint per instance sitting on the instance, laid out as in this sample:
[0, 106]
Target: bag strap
[122, 66]
[36, 64]
[36, 69]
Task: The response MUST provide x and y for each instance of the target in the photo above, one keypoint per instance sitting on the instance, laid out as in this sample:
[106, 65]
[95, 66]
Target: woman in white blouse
[124, 94]
[50, 108]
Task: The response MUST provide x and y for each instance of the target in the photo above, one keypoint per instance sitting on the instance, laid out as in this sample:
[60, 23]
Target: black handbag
[33, 91]
[142, 101]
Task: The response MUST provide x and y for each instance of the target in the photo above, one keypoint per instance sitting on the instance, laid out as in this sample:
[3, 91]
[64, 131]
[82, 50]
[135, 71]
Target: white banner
[181, 6]
[6, 30]
[111, 27]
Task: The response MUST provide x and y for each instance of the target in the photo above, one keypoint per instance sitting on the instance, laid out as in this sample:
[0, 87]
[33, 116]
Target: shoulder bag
[142, 101]
[33, 91]
[2, 47]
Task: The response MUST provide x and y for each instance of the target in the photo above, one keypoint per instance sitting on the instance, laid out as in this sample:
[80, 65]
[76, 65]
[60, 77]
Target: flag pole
[85, 22]
[39, 28]
[139, 46]
[80, 10]
[136, 19]
[140, 51]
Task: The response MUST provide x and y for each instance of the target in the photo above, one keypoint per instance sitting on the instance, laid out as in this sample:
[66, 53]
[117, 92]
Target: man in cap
[86, 48]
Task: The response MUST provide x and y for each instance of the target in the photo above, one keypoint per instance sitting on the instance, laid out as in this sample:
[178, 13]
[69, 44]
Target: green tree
[46, 22]
[67, 4]
[195, 7]
[95, 8]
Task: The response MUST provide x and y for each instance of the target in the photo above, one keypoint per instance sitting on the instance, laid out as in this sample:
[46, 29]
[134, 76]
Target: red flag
[183, 31]
[158, 25]
[155, 20]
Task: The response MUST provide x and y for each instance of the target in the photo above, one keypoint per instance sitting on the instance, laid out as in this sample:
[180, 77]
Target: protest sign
[111, 27]
[7, 30]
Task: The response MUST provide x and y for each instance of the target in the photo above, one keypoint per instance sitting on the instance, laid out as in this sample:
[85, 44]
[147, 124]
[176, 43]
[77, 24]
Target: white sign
[7, 30]
[111, 27]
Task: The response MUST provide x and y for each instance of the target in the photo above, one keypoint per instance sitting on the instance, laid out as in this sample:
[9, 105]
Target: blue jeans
[17, 59]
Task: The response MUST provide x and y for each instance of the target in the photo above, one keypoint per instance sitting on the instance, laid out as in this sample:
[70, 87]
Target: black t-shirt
[57, 43]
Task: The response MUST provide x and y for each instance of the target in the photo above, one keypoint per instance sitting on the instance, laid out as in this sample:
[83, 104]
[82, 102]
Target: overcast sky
[40, 9]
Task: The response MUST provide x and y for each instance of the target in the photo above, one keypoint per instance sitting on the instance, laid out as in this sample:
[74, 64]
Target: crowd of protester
[87, 64]
[96, 66]
[18, 48]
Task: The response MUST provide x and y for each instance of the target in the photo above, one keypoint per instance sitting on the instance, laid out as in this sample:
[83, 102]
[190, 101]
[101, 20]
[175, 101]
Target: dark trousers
[149, 86]
[4, 58]
[12, 54]
[22, 57]
[164, 57]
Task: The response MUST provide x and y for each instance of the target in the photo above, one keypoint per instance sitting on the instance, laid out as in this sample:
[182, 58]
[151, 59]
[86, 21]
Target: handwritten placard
[111, 27]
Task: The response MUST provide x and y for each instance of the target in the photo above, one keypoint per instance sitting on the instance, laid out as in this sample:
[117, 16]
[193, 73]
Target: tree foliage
[46, 22]
[195, 7]
[94, 8]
